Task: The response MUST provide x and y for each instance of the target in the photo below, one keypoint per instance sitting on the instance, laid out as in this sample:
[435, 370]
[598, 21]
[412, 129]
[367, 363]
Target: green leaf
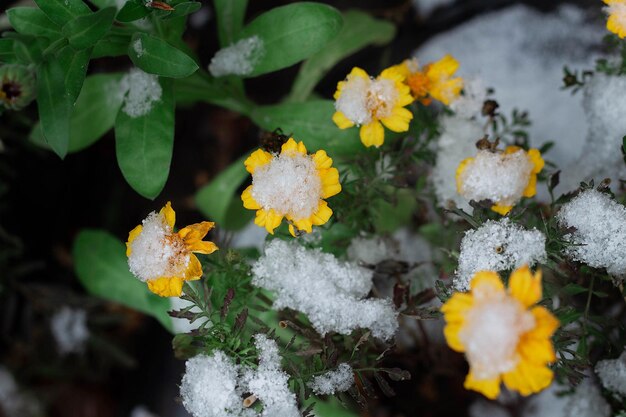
[310, 122]
[292, 33]
[55, 106]
[74, 64]
[184, 9]
[144, 144]
[84, 31]
[102, 267]
[359, 30]
[219, 200]
[155, 56]
[111, 45]
[101, 4]
[29, 49]
[62, 11]
[230, 16]
[200, 87]
[6, 50]
[32, 21]
[132, 11]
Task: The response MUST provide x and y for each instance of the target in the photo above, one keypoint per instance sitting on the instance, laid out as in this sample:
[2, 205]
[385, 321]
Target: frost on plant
[612, 374]
[141, 90]
[237, 59]
[599, 236]
[337, 380]
[69, 328]
[470, 104]
[330, 292]
[498, 246]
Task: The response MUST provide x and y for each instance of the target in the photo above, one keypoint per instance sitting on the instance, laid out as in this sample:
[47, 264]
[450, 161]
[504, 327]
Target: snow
[363, 99]
[336, 380]
[427, 7]
[69, 328]
[498, 246]
[328, 291]
[599, 239]
[237, 59]
[289, 184]
[183, 325]
[14, 402]
[138, 48]
[141, 91]
[470, 103]
[141, 411]
[521, 53]
[587, 401]
[612, 374]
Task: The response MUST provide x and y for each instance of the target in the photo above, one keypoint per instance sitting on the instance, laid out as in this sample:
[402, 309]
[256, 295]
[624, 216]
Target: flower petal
[525, 286]
[528, 378]
[166, 286]
[399, 120]
[268, 219]
[194, 269]
[545, 323]
[168, 212]
[293, 147]
[537, 160]
[322, 214]
[342, 121]
[502, 210]
[490, 388]
[322, 160]
[456, 308]
[372, 134]
[195, 231]
[486, 283]
[539, 351]
[248, 201]
[393, 73]
[257, 159]
[451, 332]
[132, 236]
[330, 182]
[531, 187]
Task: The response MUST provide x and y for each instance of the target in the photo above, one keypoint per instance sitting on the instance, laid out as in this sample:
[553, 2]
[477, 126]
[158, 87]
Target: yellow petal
[304, 225]
[502, 210]
[486, 283]
[490, 388]
[340, 87]
[443, 68]
[358, 72]
[268, 219]
[545, 323]
[404, 96]
[257, 159]
[322, 214]
[456, 308]
[539, 351]
[248, 201]
[459, 171]
[166, 286]
[194, 269]
[614, 24]
[531, 187]
[168, 212]
[322, 160]
[132, 236]
[451, 333]
[195, 231]
[399, 120]
[372, 134]
[537, 160]
[393, 73]
[528, 378]
[330, 182]
[342, 121]
[525, 286]
[293, 147]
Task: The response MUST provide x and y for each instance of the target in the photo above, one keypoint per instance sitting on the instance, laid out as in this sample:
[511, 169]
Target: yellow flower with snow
[373, 102]
[502, 177]
[504, 335]
[616, 22]
[165, 259]
[434, 80]
[291, 185]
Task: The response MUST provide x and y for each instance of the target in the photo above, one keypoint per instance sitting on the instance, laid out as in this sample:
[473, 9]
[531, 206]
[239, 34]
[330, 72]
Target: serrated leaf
[359, 30]
[144, 144]
[62, 11]
[84, 31]
[219, 200]
[155, 56]
[54, 106]
[310, 122]
[292, 33]
[32, 21]
[101, 266]
[230, 15]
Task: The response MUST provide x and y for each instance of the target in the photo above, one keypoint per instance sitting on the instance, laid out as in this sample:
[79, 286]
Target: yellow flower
[291, 185]
[502, 177]
[434, 80]
[616, 22]
[504, 336]
[163, 258]
[366, 102]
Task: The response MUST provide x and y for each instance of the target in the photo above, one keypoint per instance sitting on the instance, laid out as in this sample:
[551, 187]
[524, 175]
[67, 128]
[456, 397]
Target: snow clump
[69, 328]
[337, 380]
[237, 59]
[141, 91]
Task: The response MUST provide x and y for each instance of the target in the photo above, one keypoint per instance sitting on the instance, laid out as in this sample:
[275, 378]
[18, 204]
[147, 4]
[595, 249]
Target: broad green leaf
[359, 30]
[32, 21]
[55, 106]
[155, 56]
[74, 64]
[310, 122]
[220, 201]
[111, 45]
[144, 144]
[132, 11]
[6, 50]
[200, 87]
[390, 217]
[292, 33]
[101, 4]
[184, 9]
[102, 267]
[230, 16]
[84, 31]
[62, 11]
[94, 112]
[29, 49]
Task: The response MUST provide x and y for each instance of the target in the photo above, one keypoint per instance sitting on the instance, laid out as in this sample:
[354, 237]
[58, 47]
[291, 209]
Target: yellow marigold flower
[616, 22]
[502, 177]
[434, 80]
[163, 258]
[504, 336]
[291, 185]
[373, 102]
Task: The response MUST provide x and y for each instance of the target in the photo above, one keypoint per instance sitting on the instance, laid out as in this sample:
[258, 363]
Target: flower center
[289, 184]
[10, 91]
[364, 99]
[381, 98]
[158, 251]
[419, 84]
[492, 332]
